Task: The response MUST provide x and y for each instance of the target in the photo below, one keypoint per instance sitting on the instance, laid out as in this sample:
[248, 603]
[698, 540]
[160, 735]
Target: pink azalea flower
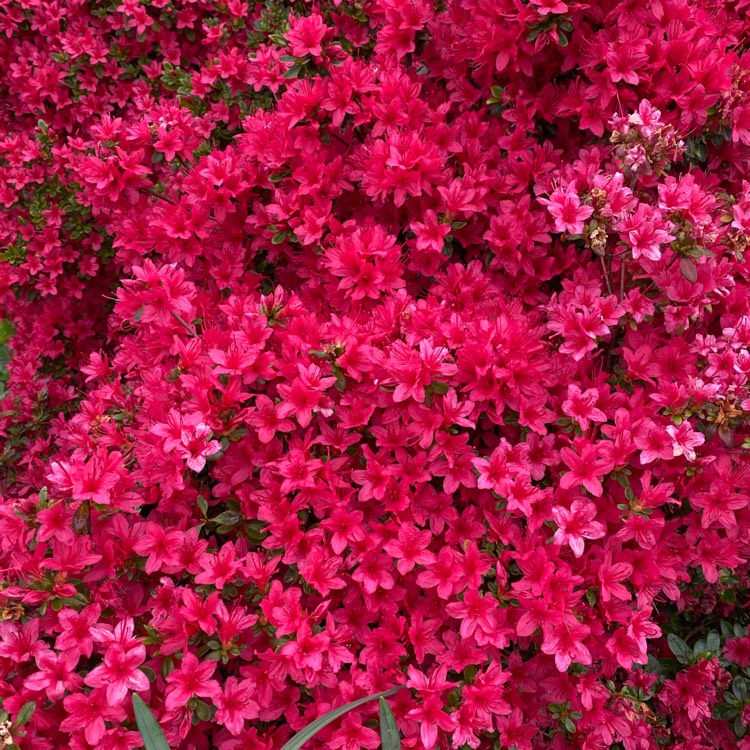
[565, 207]
[119, 673]
[191, 678]
[577, 524]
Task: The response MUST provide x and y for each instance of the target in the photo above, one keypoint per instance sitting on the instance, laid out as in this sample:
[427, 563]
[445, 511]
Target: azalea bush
[370, 344]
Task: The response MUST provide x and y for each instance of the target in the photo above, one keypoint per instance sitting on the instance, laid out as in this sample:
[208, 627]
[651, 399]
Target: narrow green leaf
[294, 71]
[25, 714]
[153, 737]
[388, 729]
[202, 504]
[312, 729]
[534, 34]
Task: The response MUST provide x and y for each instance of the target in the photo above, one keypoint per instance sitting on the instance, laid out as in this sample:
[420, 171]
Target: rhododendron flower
[646, 231]
[737, 650]
[235, 704]
[626, 649]
[431, 718]
[611, 575]
[474, 612]
[581, 406]
[306, 34]
[119, 673]
[545, 7]
[76, 636]
[685, 440]
[196, 445]
[220, 568]
[565, 207]
[89, 712]
[654, 442]
[352, 735]
[430, 233]
[565, 642]
[514, 731]
[55, 675]
[374, 345]
[585, 469]
[410, 549]
[191, 678]
[576, 524]
[647, 117]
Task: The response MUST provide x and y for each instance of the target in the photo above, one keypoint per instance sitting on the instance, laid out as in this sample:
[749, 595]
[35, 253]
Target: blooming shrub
[356, 345]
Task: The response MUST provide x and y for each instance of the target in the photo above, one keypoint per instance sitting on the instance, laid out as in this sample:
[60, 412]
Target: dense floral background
[370, 343]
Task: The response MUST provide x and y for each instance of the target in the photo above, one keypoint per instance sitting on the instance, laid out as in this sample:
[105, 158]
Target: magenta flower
[566, 209]
[119, 673]
[191, 678]
[577, 524]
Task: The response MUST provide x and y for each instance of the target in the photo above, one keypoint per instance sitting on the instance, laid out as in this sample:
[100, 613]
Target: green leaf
[202, 710]
[25, 714]
[227, 518]
[388, 730]
[312, 729]
[739, 727]
[534, 33]
[153, 737]
[713, 642]
[6, 331]
[167, 667]
[688, 270]
[138, 315]
[739, 688]
[294, 71]
[149, 673]
[202, 504]
[679, 648]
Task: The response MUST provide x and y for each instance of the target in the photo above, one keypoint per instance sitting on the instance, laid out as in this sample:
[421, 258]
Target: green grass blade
[148, 726]
[388, 730]
[312, 729]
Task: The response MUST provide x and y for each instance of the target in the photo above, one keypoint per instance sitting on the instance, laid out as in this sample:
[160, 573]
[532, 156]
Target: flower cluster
[375, 344]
